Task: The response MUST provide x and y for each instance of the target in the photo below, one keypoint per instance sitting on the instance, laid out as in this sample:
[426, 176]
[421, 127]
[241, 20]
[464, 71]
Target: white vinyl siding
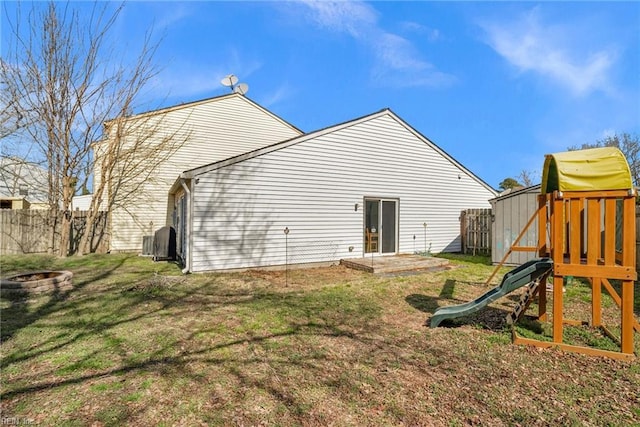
[311, 187]
[217, 129]
[81, 203]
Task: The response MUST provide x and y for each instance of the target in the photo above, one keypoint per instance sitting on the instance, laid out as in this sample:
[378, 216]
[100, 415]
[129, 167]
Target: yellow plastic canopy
[586, 170]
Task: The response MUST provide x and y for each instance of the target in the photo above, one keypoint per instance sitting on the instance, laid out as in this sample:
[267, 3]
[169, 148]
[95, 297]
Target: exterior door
[180, 225]
[388, 227]
[381, 226]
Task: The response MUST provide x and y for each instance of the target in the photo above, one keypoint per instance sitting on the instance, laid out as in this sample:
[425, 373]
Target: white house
[364, 187]
[214, 129]
[81, 203]
[23, 185]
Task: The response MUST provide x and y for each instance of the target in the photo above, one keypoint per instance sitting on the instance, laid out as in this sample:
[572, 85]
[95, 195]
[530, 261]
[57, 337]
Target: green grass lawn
[137, 343]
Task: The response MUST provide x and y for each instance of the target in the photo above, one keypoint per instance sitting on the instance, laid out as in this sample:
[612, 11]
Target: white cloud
[398, 62]
[398, 52]
[431, 34]
[551, 51]
[168, 16]
[188, 84]
[202, 79]
[399, 65]
[281, 93]
[354, 18]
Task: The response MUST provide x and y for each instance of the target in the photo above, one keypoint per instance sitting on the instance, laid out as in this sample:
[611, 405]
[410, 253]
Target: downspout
[187, 228]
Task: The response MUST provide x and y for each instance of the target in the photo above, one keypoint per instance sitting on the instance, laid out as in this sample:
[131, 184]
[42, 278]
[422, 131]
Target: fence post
[463, 231]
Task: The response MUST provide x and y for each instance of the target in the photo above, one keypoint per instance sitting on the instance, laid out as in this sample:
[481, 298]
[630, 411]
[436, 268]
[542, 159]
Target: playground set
[586, 229]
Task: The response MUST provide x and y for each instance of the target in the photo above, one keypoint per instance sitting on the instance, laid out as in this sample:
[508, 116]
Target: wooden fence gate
[475, 231]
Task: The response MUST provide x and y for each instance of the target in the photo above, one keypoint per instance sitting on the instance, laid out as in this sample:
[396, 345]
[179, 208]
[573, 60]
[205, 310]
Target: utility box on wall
[512, 210]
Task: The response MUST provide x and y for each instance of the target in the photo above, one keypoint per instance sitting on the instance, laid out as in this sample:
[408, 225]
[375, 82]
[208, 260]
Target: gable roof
[297, 140]
[206, 101]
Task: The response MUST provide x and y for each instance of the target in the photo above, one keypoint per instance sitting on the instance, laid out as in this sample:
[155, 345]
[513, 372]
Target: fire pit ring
[37, 282]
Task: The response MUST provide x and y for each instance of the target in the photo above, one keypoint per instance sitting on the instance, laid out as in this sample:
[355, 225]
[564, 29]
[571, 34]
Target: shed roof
[602, 168]
[514, 192]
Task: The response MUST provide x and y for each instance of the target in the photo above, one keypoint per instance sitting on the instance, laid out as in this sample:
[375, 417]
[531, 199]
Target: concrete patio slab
[396, 264]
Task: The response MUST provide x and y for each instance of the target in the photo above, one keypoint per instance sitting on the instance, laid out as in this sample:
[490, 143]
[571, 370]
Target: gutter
[187, 260]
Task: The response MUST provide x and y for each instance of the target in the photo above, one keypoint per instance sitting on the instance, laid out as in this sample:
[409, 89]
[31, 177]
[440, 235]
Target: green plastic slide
[515, 279]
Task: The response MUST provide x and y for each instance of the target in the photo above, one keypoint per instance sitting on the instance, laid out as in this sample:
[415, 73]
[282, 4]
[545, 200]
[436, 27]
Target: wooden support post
[628, 259]
[574, 230]
[559, 227]
[593, 252]
[544, 211]
[543, 249]
[557, 230]
[557, 309]
[596, 301]
[542, 301]
[609, 231]
[629, 232]
[564, 248]
[593, 232]
[627, 317]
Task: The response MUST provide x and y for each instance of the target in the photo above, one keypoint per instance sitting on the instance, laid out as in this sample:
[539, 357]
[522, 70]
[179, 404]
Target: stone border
[51, 282]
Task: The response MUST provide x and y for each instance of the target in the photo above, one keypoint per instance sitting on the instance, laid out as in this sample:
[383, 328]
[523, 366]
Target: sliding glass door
[380, 226]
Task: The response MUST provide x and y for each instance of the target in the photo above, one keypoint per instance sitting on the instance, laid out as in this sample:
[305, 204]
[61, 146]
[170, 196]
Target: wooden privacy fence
[475, 231]
[28, 231]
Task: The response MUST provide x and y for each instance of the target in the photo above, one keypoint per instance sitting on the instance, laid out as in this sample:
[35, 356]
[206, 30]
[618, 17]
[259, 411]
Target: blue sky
[495, 84]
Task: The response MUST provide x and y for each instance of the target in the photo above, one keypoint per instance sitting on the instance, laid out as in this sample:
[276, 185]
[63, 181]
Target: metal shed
[512, 210]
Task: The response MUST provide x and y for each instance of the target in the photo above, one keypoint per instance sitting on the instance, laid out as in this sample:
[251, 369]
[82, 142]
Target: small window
[5, 204]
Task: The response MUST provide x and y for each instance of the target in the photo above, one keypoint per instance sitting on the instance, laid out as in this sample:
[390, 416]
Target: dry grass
[136, 343]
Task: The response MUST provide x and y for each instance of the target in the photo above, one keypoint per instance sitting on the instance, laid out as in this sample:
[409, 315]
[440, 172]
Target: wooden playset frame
[591, 235]
[588, 234]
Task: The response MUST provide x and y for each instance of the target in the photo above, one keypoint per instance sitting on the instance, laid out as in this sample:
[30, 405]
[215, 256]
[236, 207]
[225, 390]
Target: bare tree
[126, 160]
[628, 144]
[528, 177]
[63, 81]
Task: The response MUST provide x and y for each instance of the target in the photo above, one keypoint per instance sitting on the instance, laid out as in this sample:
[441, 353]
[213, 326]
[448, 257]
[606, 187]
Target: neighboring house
[512, 210]
[14, 203]
[216, 129]
[361, 188]
[23, 185]
[81, 203]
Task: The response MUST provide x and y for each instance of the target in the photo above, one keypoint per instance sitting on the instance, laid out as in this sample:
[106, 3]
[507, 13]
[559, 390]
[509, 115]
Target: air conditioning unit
[147, 245]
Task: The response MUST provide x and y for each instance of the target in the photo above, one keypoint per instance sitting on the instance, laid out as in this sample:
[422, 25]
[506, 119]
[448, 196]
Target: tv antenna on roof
[231, 81]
